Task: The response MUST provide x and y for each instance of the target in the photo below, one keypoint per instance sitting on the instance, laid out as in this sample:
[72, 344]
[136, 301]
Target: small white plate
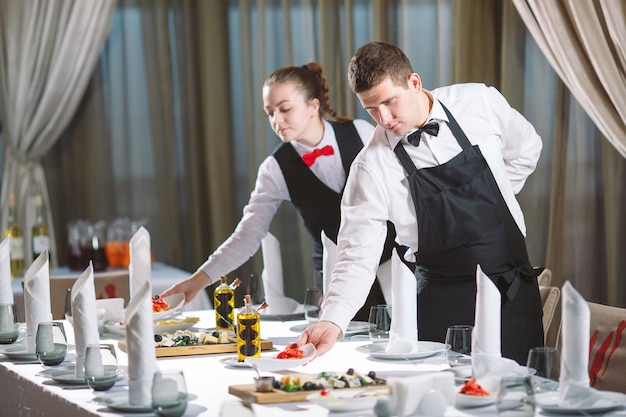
[272, 364]
[549, 402]
[297, 314]
[489, 384]
[232, 361]
[67, 375]
[424, 350]
[118, 401]
[338, 401]
[175, 301]
[354, 327]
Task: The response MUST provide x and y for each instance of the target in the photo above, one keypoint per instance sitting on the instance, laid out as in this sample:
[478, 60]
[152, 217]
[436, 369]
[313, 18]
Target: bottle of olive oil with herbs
[248, 332]
[224, 303]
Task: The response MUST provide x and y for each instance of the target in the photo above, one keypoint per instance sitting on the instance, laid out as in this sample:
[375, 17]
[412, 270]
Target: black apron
[463, 221]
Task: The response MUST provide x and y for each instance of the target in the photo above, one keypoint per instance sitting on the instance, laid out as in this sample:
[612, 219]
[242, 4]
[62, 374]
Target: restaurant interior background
[166, 123]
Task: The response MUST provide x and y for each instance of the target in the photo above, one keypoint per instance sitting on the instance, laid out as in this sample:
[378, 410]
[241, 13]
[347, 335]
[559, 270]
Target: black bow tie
[431, 128]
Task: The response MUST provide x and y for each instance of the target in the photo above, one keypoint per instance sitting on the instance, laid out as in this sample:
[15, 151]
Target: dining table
[208, 377]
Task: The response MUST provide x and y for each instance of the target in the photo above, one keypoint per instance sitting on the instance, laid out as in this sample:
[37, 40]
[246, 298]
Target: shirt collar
[436, 114]
[327, 139]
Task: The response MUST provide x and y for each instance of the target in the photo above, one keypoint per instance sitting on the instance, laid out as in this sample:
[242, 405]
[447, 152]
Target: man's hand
[322, 335]
[190, 287]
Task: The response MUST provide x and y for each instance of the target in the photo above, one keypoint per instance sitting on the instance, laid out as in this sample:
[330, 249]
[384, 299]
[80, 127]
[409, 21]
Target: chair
[544, 278]
[550, 297]
[109, 284]
[607, 347]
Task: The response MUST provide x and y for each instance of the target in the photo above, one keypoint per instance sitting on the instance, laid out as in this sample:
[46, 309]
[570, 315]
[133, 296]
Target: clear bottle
[14, 231]
[248, 332]
[40, 234]
[224, 302]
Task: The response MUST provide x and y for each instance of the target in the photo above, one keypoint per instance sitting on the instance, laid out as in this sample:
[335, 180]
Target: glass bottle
[16, 245]
[248, 332]
[40, 235]
[224, 302]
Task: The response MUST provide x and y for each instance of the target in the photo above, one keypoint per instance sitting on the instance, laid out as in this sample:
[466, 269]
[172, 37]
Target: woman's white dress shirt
[269, 192]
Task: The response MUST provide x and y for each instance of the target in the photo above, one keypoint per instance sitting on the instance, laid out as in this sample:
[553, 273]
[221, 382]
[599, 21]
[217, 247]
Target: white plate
[354, 327]
[549, 402]
[232, 361]
[489, 384]
[297, 314]
[18, 352]
[272, 364]
[339, 401]
[424, 350]
[119, 328]
[175, 301]
[118, 401]
[67, 375]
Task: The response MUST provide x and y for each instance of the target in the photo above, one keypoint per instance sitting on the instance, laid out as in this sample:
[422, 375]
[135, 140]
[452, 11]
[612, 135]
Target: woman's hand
[190, 287]
[322, 335]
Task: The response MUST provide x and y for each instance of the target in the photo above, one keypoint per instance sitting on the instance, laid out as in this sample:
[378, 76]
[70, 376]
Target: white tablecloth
[163, 277]
[208, 378]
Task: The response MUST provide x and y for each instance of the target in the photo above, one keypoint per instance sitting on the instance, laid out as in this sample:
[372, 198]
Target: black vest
[318, 205]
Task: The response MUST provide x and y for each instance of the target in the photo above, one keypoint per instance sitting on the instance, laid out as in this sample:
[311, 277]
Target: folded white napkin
[142, 362]
[139, 270]
[6, 293]
[272, 277]
[36, 297]
[84, 316]
[407, 392]
[403, 332]
[487, 357]
[329, 255]
[574, 389]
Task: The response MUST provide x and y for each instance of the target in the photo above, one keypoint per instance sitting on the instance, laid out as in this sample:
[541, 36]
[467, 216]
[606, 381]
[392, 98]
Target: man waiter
[444, 167]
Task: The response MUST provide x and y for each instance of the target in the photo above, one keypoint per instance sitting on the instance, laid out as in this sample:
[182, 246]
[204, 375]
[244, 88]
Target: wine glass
[313, 304]
[515, 397]
[9, 323]
[547, 363]
[169, 393]
[50, 343]
[459, 345]
[100, 366]
[379, 323]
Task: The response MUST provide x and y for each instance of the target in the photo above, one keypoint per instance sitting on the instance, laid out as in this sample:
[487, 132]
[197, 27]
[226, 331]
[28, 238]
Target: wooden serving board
[248, 393]
[162, 352]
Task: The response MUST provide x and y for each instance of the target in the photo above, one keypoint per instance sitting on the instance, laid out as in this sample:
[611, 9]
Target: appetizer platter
[298, 387]
[187, 342]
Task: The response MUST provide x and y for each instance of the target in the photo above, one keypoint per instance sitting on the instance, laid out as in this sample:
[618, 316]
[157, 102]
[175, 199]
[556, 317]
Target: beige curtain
[585, 42]
[47, 54]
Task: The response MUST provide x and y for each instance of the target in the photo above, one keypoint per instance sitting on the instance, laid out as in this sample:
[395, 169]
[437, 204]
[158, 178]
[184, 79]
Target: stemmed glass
[169, 393]
[100, 366]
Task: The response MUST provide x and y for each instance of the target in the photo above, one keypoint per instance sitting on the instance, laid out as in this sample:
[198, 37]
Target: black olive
[350, 371]
[308, 386]
[186, 338]
[215, 334]
[372, 374]
[278, 384]
[158, 337]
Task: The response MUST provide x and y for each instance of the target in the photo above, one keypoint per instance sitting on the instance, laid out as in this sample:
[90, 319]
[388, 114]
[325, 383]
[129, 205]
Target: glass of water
[380, 323]
[459, 345]
[516, 397]
[169, 393]
[313, 304]
[100, 367]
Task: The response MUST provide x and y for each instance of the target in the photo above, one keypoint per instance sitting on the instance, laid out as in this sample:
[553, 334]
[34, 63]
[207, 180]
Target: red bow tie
[310, 157]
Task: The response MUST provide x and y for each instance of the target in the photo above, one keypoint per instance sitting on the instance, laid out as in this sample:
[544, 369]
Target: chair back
[607, 347]
[550, 297]
[545, 278]
[108, 284]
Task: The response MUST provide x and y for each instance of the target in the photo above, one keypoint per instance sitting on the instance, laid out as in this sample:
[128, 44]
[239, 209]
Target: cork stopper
[246, 299]
[223, 279]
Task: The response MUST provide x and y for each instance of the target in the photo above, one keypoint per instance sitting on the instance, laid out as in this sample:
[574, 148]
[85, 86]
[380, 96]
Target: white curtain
[48, 50]
[585, 42]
